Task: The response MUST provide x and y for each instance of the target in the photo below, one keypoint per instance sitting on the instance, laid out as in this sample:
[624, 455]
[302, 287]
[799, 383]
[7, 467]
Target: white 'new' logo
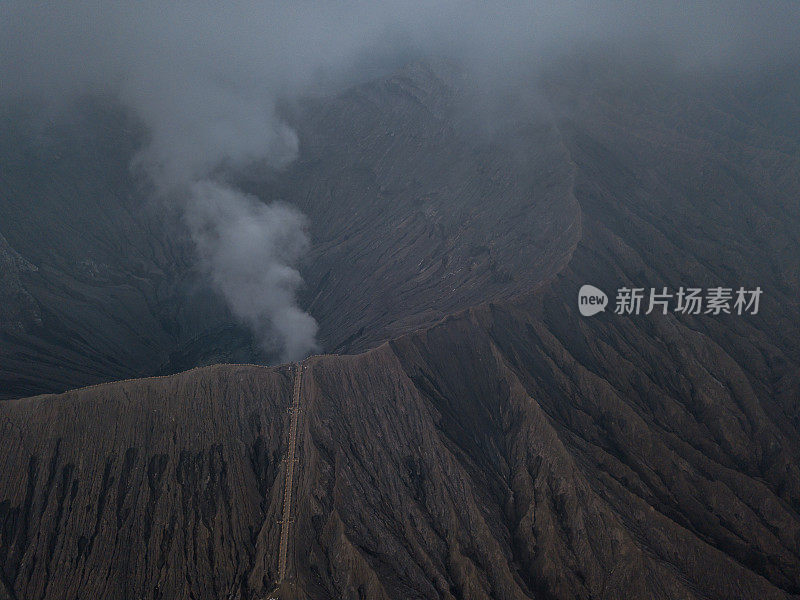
[591, 300]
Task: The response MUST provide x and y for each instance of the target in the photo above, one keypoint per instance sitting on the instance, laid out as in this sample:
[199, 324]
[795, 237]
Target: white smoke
[248, 249]
[205, 82]
[206, 77]
[199, 124]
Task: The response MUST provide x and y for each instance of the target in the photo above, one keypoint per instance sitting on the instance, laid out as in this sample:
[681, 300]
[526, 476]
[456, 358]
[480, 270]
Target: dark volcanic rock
[157, 488]
[95, 284]
[512, 449]
[418, 207]
[481, 458]
[491, 456]
[417, 210]
[18, 309]
[414, 213]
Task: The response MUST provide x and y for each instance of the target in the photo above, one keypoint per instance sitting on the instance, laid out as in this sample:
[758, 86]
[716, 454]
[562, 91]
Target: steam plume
[248, 249]
[206, 77]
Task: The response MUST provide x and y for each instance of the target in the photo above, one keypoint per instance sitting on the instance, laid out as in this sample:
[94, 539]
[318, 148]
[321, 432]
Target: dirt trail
[289, 483]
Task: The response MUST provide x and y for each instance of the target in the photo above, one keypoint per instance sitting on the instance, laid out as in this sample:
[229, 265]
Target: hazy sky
[205, 79]
[205, 76]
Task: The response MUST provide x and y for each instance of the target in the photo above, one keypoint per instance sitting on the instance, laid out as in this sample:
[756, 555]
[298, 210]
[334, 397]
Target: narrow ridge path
[286, 521]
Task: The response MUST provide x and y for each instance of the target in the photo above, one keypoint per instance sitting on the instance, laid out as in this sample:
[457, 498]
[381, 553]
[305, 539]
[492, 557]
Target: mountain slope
[419, 206]
[97, 284]
[158, 488]
[485, 457]
[513, 448]
[413, 214]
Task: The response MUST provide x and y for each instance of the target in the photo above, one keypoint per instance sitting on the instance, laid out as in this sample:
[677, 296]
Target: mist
[247, 248]
[207, 81]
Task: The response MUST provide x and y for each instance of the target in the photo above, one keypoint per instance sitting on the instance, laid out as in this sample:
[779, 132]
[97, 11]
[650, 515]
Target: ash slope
[418, 207]
[412, 216]
[513, 450]
[95, 283]
[487, 457]
[157, 488]
[549, 455]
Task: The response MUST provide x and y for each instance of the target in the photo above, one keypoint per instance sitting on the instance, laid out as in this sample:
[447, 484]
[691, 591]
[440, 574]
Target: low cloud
[206, 78]
[249, 250]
